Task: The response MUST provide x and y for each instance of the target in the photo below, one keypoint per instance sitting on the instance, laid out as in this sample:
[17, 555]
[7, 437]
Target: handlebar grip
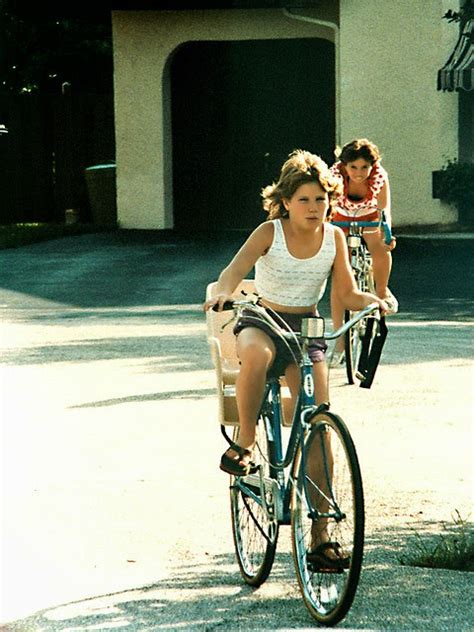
[386, 228]
[228, 305]
[388, 233]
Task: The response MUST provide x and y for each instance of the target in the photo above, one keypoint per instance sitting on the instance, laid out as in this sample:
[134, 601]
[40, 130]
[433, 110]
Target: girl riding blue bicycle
[294, 252]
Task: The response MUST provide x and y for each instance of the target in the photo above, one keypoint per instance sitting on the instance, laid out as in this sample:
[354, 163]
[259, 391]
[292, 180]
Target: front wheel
[327, 505]
[254, 523]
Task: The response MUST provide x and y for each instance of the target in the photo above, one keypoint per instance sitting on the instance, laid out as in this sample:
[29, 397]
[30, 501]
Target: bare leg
[381, 262]
[293, 379]
[337, 313]
[321, 475]
[316, 468]
[319, 471]
[320, 377]
[256, 352]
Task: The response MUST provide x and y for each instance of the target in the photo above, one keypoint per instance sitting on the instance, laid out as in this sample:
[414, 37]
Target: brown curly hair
[358, 148]
[300, 167]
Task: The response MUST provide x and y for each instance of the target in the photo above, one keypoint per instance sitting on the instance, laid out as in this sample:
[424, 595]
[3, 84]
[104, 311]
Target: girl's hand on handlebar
[383, 307]
[391, 246]
[217, 302]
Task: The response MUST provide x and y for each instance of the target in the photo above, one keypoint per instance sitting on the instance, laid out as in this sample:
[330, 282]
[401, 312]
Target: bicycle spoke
[256, 519]
[255, 533]
[332, 504]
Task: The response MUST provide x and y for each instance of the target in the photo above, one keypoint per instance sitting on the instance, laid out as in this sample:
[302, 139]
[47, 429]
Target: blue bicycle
[315, 484]
[359, 339]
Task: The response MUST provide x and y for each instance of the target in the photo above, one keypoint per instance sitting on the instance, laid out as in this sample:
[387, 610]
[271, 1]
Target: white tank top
[286, 280]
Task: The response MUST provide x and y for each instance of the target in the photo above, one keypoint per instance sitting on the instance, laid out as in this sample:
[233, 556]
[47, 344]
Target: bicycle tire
[352, 345]
[355, 335]
[328, 595]
[255, 536]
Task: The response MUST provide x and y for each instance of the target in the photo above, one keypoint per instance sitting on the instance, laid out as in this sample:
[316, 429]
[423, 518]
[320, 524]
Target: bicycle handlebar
[383, 224]
[236, 304]
[370, 309]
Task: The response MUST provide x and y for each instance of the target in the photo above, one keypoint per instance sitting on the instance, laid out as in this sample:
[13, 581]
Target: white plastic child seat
[226, 363]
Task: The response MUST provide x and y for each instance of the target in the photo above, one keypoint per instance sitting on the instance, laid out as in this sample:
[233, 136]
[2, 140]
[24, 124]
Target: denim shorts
[284, 357]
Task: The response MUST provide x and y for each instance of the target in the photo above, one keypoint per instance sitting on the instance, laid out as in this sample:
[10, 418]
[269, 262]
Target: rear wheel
[352, 345]
[327, 505]
[357, 343]
[254, 523]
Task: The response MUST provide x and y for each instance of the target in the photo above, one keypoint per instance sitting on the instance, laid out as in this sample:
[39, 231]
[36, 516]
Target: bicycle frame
[281, 460]
[280, 485]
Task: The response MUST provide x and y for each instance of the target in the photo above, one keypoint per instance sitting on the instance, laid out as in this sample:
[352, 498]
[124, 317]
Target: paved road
[115, 514]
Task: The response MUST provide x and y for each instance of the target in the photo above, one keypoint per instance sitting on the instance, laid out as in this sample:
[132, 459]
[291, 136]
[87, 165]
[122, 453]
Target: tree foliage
[465, 13]
[40, 52]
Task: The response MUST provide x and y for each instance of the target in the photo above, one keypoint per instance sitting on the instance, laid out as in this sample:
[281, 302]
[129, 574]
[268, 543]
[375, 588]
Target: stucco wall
[143, 43]
[390, 54]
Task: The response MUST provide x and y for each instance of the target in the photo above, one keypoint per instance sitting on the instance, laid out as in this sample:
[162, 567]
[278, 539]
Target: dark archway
[238, 109]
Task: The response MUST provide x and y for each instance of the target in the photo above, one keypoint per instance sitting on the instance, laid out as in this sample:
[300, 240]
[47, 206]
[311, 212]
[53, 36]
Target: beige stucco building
[386, 58]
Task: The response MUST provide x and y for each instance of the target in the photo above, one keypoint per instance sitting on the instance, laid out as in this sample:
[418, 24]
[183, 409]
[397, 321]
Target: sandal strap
[240, 451]
[334, 546]
[233, 446]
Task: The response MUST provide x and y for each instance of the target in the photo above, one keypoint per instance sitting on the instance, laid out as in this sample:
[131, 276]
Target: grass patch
[17, 235]
[453, 549]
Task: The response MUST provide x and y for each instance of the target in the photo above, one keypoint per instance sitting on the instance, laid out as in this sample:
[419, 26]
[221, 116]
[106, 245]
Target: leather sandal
[319, 561]
[231, 464]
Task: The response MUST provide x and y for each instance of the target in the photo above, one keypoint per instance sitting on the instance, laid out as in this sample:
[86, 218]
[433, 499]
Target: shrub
[453, 549]
[455, 184]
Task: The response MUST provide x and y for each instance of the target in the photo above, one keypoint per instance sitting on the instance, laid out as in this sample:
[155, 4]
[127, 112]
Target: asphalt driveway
[115, 514]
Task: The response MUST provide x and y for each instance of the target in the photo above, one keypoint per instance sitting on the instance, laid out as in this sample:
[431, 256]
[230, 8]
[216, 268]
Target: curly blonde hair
[300, 167]
[358, 148]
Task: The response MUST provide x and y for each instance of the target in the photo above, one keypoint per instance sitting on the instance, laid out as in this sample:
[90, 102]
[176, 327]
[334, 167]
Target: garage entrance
[238, 109]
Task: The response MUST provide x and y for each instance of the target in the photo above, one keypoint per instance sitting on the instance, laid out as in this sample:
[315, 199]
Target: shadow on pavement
[125, 268]
[187, 350]
[212, 596]
[165, 314]
[169, 353]
[122, 268]
[150, 397]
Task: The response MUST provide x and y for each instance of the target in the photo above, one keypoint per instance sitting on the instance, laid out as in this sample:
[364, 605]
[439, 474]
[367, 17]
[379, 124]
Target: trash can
[102, 191]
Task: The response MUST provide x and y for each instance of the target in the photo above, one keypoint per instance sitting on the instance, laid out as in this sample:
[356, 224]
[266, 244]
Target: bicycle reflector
[312, 327]
[354, 241]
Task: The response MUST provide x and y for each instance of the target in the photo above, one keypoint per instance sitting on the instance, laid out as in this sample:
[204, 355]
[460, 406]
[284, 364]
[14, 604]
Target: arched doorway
[237, 110]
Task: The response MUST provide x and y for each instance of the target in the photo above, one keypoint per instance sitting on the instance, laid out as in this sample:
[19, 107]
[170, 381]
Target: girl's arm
[344, 283]
[230, 277]
[384, 203]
